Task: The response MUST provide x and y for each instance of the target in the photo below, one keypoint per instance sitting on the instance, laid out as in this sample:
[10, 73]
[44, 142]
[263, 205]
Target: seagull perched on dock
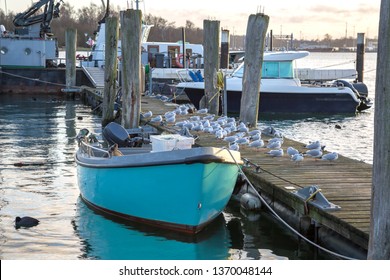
[156, 119]
[202, 111]
[274, 145]
[257, 144]
[230, 139]
[330, 157]
[234, 147]
[147, 115]
[297, 157]
[315, 153]
[276, 153]
[292, 151]
[316, 145]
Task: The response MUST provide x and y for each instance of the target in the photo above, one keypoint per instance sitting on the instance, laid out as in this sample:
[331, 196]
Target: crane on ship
[39, 24]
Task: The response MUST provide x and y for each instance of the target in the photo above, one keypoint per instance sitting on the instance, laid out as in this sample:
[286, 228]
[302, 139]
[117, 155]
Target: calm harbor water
[37, 134]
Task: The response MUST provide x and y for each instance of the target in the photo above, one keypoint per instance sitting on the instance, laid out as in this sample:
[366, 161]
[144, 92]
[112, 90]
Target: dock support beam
[70, 71]
[254, 42]
[211, 65]
[131, 21]
[110, 69]
[379, 245]
[360, 50]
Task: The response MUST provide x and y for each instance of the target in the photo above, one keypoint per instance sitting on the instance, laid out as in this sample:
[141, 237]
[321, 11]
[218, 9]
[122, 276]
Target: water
[38, 133]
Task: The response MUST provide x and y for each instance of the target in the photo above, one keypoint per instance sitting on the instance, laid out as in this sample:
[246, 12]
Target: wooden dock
[345, 182]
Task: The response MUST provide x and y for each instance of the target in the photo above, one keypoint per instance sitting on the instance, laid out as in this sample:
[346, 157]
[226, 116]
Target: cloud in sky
[310, 19]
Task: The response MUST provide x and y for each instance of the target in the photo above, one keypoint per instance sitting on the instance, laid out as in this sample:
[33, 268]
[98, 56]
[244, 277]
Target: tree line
[86, 19]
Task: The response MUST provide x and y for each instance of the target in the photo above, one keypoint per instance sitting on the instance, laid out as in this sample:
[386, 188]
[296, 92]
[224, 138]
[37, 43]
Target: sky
[302, 18]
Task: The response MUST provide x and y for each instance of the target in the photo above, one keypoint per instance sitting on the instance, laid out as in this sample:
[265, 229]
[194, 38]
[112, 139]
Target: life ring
[180, 58]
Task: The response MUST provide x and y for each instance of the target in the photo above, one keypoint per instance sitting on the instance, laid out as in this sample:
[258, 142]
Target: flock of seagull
[237, 134]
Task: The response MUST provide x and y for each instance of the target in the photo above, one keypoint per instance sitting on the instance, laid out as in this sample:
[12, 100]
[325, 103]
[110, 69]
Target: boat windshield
[271, 70]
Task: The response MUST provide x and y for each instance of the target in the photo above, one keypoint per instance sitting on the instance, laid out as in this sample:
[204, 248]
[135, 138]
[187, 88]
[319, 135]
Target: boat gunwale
[122, 162]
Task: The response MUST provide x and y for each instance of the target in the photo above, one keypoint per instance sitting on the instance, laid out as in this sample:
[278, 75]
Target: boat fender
[199, 75]
[250, 202]
[193, 76]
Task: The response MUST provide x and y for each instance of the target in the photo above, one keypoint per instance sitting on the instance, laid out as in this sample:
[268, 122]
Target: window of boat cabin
[272, 70]
[277, 69]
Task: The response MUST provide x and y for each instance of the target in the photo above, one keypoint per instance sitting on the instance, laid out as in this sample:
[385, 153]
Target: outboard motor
[361, 88]
[347, 84]
[116, 134]
[362, 93]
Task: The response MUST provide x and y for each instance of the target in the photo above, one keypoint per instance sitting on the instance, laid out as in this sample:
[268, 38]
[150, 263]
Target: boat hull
[180, 196]
[287, 103]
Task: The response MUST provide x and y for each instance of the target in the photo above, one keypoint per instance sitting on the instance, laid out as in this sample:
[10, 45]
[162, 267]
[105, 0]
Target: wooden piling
[183, 37]
[254, 42]
[224, 49]
[131, 21]
[70, 49]
[211, 65]
[379, 245]
[360, 50]
[110, 70]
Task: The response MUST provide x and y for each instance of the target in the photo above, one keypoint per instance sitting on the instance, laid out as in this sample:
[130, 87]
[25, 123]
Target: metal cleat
[312, 195]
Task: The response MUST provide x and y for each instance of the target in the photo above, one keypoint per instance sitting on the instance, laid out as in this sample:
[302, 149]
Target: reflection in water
[107, 238]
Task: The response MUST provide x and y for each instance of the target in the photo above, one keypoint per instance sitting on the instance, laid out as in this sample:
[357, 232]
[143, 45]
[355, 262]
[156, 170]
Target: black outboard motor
[116, 134]
[361, 88]
[361, 91]
[347, 84]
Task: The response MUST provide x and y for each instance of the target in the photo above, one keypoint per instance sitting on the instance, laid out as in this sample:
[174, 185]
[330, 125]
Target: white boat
[282, 92]
[168, 184]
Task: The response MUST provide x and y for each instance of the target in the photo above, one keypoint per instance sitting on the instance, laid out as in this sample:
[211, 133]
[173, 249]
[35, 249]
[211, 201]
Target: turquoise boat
[179, 189]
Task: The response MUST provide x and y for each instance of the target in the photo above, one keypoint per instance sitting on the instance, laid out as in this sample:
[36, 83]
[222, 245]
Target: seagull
[203, 111]
[254, 132]
[234, 147]
[292, 151]
[219, 134]
[276, 153]
[270, 131]
[313, 145]
[169, 114]
[274, 145]
[170, 118]
[330, 157]
[297, 157]
[255, 137]
[257, 144]
[25, 222]
[315, 153]
[147, 115]
[243, 140]
[230, 139]
[156, 119]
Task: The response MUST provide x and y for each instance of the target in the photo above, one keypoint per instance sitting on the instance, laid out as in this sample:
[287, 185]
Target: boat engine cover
[116, 134]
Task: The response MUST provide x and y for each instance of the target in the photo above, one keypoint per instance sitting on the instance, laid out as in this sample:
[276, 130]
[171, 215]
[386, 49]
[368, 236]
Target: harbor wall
[37, 80]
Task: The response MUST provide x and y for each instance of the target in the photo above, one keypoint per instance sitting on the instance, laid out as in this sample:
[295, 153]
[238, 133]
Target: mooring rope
[280, 219]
